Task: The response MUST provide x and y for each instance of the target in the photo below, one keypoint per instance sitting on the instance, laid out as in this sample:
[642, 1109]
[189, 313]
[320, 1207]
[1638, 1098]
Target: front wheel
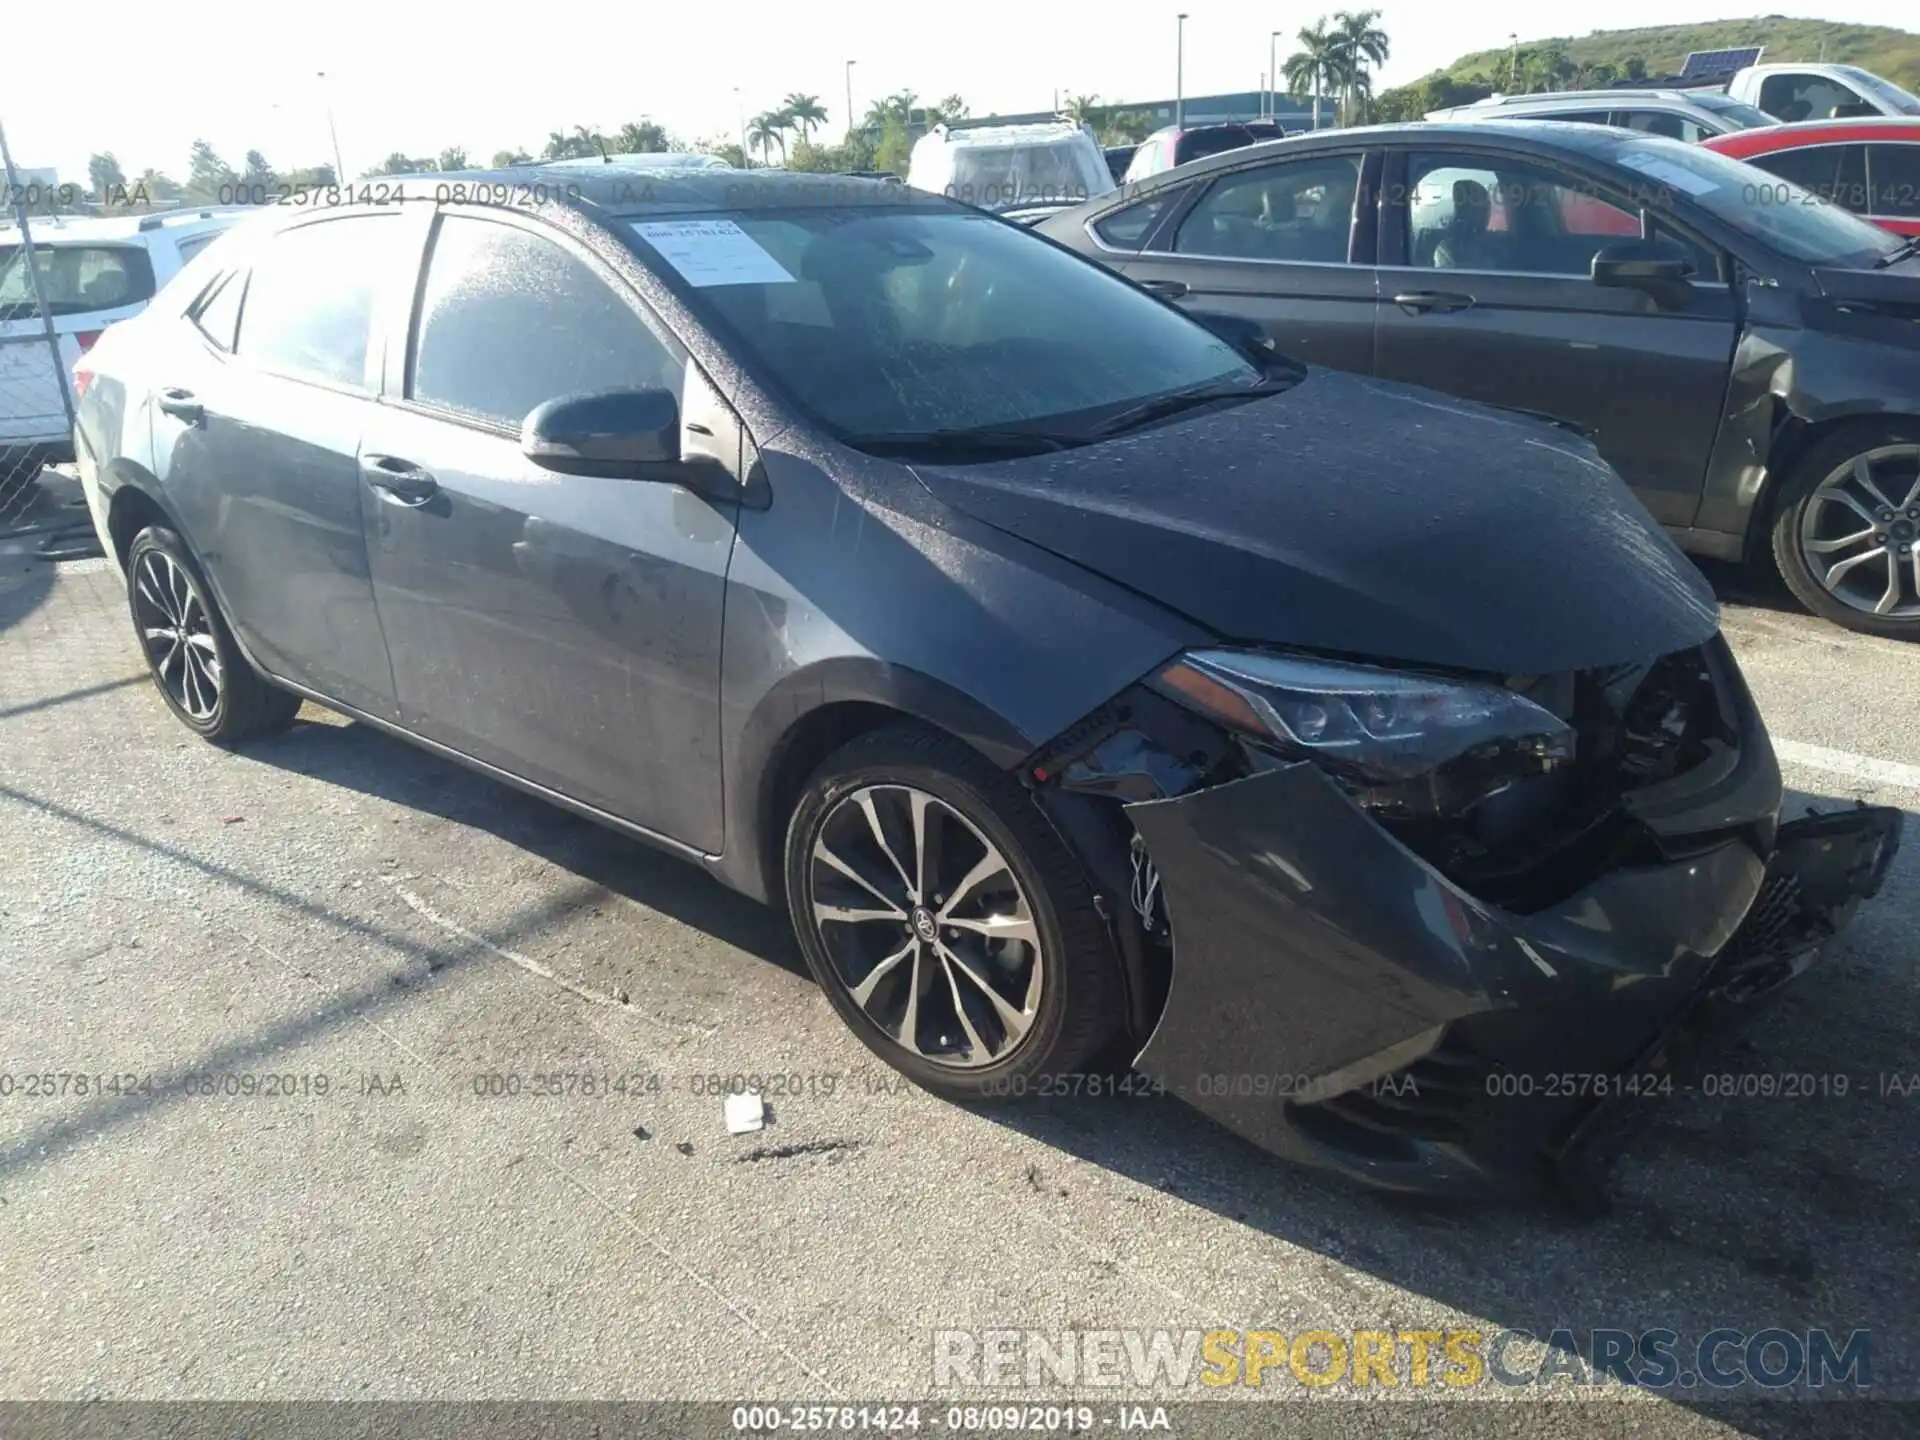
[944, 918]
[200, 672]
[1846, 535]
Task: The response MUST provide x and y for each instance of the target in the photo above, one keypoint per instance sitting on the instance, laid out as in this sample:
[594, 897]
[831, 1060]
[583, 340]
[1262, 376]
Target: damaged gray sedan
[1088, 683]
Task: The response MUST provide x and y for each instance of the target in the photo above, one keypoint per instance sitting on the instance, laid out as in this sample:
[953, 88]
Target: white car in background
[93, 271]
[1021, 172]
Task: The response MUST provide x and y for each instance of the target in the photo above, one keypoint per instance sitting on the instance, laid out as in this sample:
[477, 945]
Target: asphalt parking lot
[346, 915]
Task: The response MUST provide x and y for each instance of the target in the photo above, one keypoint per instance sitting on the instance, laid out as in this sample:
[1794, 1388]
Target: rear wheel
[1847, 534]
[944, 918]
[200, 672]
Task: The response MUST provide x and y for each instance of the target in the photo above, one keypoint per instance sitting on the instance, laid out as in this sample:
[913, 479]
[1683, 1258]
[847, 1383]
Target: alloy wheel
[1860, 532]
[926, 926]
[173, 624]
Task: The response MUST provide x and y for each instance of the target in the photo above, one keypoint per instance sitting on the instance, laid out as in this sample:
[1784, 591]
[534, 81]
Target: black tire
[1081, 1006]
[246, 703]
[1809, 472]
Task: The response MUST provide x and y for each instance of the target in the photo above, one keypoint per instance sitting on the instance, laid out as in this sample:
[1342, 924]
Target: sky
[418, 78]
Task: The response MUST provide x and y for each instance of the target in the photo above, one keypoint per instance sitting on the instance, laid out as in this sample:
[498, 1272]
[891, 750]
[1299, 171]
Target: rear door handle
[1165, 289]
[405, 481]
[1428, 302]
[181, 405]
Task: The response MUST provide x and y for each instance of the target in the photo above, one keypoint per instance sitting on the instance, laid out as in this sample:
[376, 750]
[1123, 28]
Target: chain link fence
[38, 491]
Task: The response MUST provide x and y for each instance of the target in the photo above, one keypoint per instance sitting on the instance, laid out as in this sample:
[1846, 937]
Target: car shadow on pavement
[25, 584]
[1731, 1211]
[363, 758]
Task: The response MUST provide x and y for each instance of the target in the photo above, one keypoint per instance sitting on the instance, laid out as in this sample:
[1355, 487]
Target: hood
[1893, 291]
[1358, 517]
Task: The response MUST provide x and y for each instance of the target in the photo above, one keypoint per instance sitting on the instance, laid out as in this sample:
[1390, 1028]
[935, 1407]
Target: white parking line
[1854, 767]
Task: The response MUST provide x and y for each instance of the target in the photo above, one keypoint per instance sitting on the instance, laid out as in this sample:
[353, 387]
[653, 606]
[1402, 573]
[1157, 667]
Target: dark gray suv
[1088, 684]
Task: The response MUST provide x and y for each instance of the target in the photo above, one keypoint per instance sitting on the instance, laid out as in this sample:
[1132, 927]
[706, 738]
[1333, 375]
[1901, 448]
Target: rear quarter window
[74, 279]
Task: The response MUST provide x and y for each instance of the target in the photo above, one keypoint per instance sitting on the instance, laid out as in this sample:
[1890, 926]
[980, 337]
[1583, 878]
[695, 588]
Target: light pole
[326, 96]
[1180, 71]
[850, 65]
[1513, 71]
[1273, 77]
[740, 114]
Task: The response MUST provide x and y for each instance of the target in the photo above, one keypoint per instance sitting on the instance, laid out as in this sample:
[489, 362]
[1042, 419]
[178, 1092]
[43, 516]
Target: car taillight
[85, 338]
[82, 377]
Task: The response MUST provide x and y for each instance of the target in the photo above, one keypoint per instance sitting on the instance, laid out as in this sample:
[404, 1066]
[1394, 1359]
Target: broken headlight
[1371, 726]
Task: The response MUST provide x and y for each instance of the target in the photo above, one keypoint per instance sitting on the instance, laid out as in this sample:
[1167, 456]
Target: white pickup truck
[1802, 90]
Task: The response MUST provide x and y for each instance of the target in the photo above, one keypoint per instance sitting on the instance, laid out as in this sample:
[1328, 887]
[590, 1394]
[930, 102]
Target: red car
[1870, 165]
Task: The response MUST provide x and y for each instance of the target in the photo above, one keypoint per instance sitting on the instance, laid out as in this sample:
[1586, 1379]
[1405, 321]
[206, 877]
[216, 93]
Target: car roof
[1557, 98]
[91, 229]
[622, 190]
[1596, 140]
[1039, 132]
[1765, 139]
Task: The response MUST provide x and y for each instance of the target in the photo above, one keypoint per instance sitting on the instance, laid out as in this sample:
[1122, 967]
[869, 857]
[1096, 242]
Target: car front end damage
[1442, 935]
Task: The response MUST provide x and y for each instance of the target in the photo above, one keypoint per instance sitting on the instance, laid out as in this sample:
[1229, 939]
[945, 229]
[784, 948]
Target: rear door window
[1895, 173]
[510, 319]
[1297, 210]
[218, 316]
[74, 279]
[1664, 122]
[309, 301]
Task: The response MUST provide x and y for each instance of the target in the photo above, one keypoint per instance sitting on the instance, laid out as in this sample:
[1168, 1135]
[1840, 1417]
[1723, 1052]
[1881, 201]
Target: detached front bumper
[1338, 1001]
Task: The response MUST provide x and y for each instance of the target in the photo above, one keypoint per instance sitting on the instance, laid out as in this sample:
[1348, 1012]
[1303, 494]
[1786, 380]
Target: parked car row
[1744, 354]
[1089, 681]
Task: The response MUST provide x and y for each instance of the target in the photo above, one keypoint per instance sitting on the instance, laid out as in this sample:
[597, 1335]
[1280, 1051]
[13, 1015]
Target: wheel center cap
[924, 925]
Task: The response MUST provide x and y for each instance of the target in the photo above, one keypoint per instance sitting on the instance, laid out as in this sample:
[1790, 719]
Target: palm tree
[1359, 44]
[642, 137]
[1080, 108]
[953, 108]
[805, 112]
[767, 129]
[1315, 65]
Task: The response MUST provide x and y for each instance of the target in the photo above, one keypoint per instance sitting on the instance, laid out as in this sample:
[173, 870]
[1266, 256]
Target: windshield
[74, 279]
[1735, 112]
[1064, 172]
[1885, 90]
[885, 320]
[1795, 222]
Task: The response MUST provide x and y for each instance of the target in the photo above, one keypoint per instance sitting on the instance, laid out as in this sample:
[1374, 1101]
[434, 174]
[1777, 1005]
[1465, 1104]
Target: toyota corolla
[1085, 681]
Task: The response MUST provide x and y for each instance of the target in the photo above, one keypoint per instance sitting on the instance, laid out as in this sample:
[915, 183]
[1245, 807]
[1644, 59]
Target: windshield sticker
[712, 252]
[1677, 176]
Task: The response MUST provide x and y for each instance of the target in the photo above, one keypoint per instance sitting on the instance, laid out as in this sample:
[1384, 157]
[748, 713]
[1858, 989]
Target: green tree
[507, 159]
[1125, 127]
[895, 149]
[1635, 67]
[155, 185]
[1081, 108]
[105, 174]
[767, 129]
[206, 172]
[1314, 68]
[642, 137]
[805, 112]
[452, 158]
[397, 164]
[311, 177]
[949, 110]
[259, 176]
[1359, 45]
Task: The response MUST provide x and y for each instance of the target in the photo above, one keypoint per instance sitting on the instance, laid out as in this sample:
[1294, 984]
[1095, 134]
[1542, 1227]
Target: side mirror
[619, 434]
[1658, 267]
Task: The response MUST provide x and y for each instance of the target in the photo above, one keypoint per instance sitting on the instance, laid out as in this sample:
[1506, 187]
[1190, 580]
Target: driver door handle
[1428, 302]
[405, 481]
[1165, 289]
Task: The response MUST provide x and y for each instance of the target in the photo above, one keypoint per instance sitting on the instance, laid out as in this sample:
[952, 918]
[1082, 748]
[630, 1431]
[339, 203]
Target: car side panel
[995, 640]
